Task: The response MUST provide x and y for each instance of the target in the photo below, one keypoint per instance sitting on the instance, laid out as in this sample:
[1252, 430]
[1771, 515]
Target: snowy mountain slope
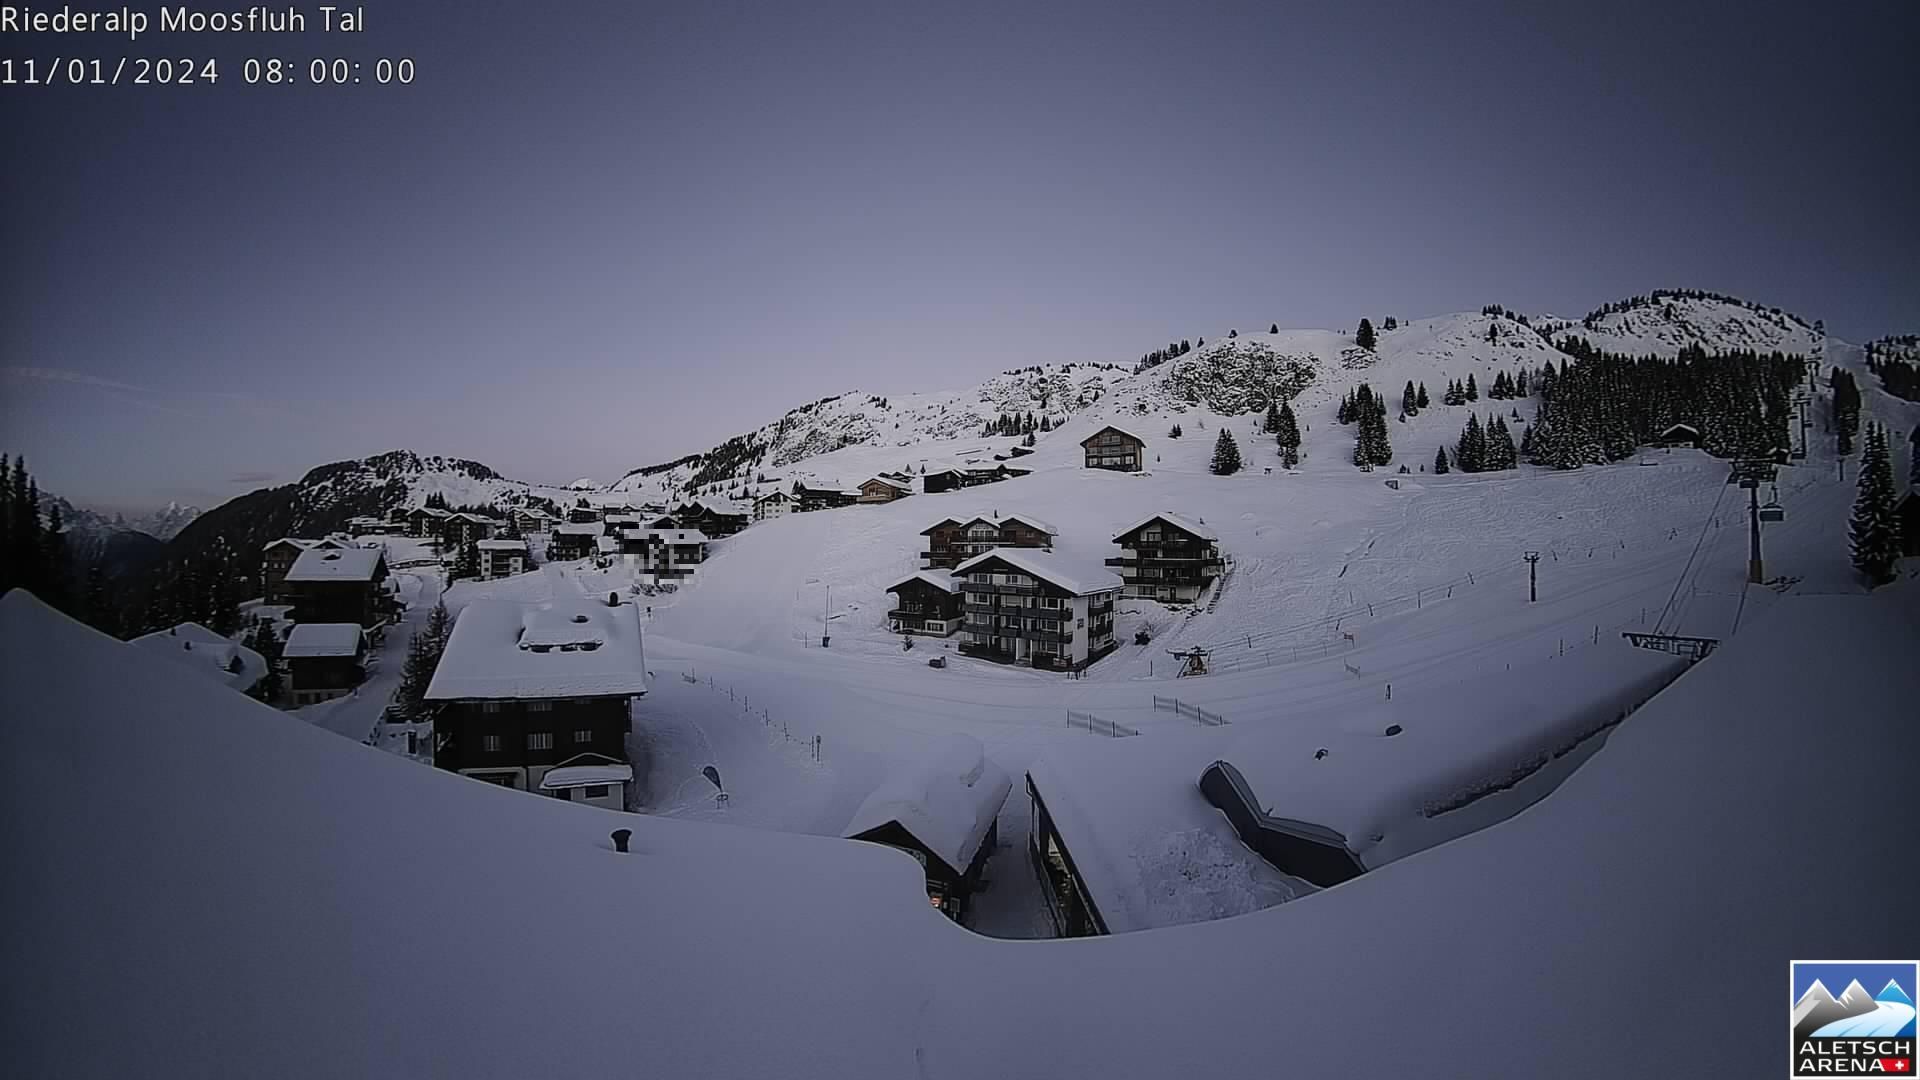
[845, 438]
[225, 838]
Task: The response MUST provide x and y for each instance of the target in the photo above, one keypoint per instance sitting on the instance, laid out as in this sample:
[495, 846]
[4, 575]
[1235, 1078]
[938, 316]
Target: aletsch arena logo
[1853, 1017]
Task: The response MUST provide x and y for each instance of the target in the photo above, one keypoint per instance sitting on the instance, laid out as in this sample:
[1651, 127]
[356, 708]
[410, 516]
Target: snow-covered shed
[943, 809]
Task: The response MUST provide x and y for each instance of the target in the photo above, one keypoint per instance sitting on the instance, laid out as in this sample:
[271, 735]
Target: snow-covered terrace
[207, 652]
[567, 647]
[1751, 813]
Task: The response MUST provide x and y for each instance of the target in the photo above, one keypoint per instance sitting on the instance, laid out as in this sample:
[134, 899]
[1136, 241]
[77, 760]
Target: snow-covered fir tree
[1874, 529]
[1226, 454]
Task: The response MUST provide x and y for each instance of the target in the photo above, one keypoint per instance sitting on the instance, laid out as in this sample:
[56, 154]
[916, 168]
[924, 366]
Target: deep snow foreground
[250, 896]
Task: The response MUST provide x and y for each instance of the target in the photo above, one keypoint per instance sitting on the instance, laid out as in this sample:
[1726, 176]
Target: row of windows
[536, 740]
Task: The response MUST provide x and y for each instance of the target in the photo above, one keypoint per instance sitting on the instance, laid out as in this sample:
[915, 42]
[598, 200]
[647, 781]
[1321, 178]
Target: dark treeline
[1899, 372]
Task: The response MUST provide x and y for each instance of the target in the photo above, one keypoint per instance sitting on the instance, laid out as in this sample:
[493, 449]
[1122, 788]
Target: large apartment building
[1036, 609]
[952, 541]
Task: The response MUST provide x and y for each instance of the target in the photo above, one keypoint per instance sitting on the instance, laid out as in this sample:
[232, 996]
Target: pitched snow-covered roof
[582, 770]
[323, 639]
[665, 536]
[1028, 520]
[567, 647]
[1184, 524]
[943, 521]
[207, 652]
[1076, 574]
[947, 800]
[774, 496]
[939, 579]
[897, 485]
[1114, 428]
[580, 528]
[606, 545]
[430, 511]
[336, 564]
[295, 541]
[501, 544]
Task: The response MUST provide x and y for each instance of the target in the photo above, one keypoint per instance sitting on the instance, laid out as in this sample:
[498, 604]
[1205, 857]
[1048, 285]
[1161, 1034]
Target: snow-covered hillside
[847, 437]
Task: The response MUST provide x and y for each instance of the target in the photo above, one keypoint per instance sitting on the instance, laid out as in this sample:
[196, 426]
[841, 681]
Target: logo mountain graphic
[1818, 1007]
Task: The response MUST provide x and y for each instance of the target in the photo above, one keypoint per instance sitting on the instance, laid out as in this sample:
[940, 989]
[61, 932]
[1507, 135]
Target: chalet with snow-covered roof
[943, 811]
[823, 498]
[952, 541]
[574, 539]
[275, 560]
[772, 505]
[584, 515]
[992, 474]
[663, 554]
[424, 521]
[1112, 448]
[934, 481]
[324, 661]
[460, 529]
[594, 779]
[1036, 608]
[884, 489]
[525, 689]
[340, 585]
[929, 603]
[1168, 558]
[1680, 435]
[715, 517]
[503, 558]
[208, 653]
[530, 519]
[369, 526]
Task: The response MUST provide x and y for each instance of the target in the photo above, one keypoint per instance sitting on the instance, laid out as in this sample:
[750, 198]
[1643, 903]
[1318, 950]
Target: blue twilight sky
[591, 236]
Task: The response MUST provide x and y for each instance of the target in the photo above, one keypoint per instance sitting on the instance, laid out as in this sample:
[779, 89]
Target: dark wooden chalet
[1168, 558]
[953, 541]
[937, 480]
[1112, 448]
[275, 560]
[324, 661]
[884, 489]
[424, 521]
[574, 540]
[340, 585]
[461, 529]
[524, 689]
[812, 498]
[929, 604]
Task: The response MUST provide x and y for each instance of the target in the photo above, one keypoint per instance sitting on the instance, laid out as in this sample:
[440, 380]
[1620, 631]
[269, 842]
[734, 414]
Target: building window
[539, 740]
[490, 743]
[539, 706]
[596, 791]
[489, 707]
[583, 736]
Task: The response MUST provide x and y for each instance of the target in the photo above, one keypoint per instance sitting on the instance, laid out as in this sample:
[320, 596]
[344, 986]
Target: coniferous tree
[1028, 441]
[1420, 396]
[1874, 530]
[1520, 384]
[54, 558]
[1287, 434]
[1271, 422]
[1389, 323]
[1440, 461]
[1500, 449]
[1364, 337]
[1470, 452]
[6, 523]
[1409, 401]
[1473, 392]
[1174, 432]
[1274, 329]
[1226, 454]
[468, 564]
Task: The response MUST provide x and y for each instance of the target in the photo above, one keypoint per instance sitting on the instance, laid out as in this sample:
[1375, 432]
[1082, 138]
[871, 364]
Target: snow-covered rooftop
[947, 799]
[1075, 573]
[567, 647]
[206, 652]
[1111, 427]
[1456, 766]
[288, 540]
[1028, 520]
[501, 545]
[897, 485]
[939, 579]
[665, 536]
[602, 771]
[336, 564]
[175, 879]
[1175, 520]
[323, 639]
[582, 528]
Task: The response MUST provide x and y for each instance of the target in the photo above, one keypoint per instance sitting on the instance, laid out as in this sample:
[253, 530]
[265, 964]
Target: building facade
[952, 541]
[664, 554]
[773, 505]
[503, 558]
[340, 585]
[1168, 558]
[1112, 448]
[324, 661]
[1036, 610]
[929, 604]
[812, 498]
[275, 560]
[573, 540]
[884, 489]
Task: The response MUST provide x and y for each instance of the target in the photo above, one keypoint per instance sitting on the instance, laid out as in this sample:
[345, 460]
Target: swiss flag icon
[1897, 1066]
